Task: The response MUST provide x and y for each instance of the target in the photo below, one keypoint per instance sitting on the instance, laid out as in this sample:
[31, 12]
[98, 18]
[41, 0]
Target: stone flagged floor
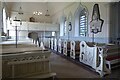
[64, 68]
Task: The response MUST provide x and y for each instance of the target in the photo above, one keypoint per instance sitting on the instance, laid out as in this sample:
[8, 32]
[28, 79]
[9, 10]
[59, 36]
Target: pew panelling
[25, 61]
[88, 54]
[66, 48]
[20, 45]
[75, 49]
[49, 43]
[59, 45]
[55, 44]
[92, 56]
[110, 57]
[24, 64]
[98, 56]
[101, 67]
[52, 43]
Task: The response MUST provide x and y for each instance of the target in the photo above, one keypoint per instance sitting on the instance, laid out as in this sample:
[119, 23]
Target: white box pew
[92, 56]
[49, 43]
[75, 49]
[109, 55]
[52, 43]
[55, 44]
[66, 48]
[88, 54]
[60, 45]
[113, 55]
[98, 56]
[20, 45]
[24, 64]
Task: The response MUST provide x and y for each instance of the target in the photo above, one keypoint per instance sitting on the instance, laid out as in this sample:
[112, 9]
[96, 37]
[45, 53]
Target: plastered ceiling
[30, 7]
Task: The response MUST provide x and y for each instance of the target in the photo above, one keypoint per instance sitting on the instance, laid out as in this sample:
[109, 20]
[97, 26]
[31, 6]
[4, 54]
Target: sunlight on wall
[4, 21]
[53, 33]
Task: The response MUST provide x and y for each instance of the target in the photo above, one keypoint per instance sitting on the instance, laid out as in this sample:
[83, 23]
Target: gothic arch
[63, 18]
[77, 15]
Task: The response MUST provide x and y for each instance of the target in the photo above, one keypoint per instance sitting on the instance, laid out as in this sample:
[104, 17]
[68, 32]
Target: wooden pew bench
[49, 43]
[113, 56]
[55, 44]
[88, 54]
[66, 48]
[108, 57]
[60, 46]
[75, 49]
[92, 54]
[24, 61]
[5, 46]
[25, 64]
[52, 43]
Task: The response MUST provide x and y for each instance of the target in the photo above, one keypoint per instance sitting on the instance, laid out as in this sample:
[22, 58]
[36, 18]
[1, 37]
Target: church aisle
[66, 69]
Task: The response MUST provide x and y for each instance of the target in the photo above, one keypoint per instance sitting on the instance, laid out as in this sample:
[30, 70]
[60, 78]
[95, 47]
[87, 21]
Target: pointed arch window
[65, 27]
[4, 21]
[83, 23]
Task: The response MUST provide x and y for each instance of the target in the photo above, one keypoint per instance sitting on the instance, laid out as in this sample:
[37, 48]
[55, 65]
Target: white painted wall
[0, 20]
[26, 27]
[59, 15]
[0, 39]
[34, 26]
[26, 17]
[28, 8]
[104, 12]
[114, 22]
